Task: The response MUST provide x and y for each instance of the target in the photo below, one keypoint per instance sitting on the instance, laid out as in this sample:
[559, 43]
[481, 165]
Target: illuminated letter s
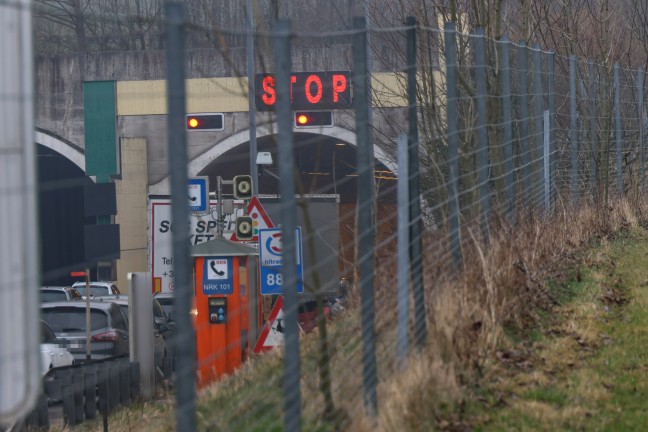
[270, 96]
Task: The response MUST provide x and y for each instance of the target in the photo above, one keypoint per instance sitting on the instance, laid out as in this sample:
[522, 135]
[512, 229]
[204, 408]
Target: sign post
[86, 275]
[270, 261]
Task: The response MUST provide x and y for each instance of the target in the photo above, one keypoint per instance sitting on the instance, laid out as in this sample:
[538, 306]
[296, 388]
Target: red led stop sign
[308, 91]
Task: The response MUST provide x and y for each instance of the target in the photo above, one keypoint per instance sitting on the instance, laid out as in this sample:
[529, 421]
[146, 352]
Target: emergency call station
[227, 307]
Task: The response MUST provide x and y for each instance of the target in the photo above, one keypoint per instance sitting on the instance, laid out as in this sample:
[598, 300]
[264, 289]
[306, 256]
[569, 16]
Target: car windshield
[47, 335]
[124, 309]
[95, 291]
[158, 311]
[167, 304]
[52, 296]
[65, 319]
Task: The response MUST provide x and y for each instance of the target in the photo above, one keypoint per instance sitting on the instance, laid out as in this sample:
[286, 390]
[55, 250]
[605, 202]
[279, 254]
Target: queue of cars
[63, 314]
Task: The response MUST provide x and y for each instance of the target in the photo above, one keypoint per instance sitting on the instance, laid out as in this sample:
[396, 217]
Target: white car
[97, 289]
[53, 355]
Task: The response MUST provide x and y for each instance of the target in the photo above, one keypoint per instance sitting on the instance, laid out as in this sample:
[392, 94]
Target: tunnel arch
[61, 146]
[201, 162]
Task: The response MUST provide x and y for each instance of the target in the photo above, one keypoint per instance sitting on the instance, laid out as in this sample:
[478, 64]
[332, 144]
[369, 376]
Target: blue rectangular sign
[199, 194]
[270, 260]
[217, 276]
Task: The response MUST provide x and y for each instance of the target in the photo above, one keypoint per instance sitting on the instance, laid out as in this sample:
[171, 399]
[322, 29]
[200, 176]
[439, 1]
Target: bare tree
[69, 26]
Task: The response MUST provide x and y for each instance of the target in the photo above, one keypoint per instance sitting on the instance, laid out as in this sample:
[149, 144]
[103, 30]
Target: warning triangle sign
[272, 334]
[260, 219]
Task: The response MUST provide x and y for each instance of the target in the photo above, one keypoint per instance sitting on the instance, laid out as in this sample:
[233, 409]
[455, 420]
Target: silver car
[161, 329]
[59, 293]
[108, 328]
[97, 289]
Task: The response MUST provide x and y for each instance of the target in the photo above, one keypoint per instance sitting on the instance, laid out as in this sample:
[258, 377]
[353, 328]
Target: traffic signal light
[313, 118]
[205, 122]
[243, 187]
[244, 228]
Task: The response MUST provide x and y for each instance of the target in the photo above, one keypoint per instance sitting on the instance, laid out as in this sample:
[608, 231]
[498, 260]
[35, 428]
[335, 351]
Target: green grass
[591, 358]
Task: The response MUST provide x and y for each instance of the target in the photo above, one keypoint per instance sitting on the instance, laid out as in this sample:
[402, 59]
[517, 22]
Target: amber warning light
[313, 118]
[205, 122]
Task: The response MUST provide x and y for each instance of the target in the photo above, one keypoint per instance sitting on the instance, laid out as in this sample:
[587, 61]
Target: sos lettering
[308, 90]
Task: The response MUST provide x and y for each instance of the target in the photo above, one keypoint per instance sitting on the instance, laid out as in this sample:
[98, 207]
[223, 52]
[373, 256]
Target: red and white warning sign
[274, 328]
[272, 334]
[260, 219]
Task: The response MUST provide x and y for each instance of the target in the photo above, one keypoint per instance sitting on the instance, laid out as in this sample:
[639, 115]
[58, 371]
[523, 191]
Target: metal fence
[494, 130]
[483, 136]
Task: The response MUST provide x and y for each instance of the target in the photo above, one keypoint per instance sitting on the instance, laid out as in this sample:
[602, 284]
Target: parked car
[166, 300]
[53, 352]
[161, 331]
[59, 293]
[161, 322]
[108, 328]
[97, 289]
[307, 314]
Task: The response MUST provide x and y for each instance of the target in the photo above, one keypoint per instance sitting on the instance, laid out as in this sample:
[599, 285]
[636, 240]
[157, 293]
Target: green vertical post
[100, 122]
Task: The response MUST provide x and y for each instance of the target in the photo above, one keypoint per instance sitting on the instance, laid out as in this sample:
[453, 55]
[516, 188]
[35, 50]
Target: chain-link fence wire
[516, 165]
[541, 155]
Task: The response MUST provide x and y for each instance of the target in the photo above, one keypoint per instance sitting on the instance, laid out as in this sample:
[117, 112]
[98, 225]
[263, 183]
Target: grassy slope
[585, 367]
[572, 372]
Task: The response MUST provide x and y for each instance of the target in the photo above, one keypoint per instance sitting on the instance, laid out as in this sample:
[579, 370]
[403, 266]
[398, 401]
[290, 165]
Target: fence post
[523, 61]
[573, 128]
[545, 159]
[482, 130]
[402, 332]
[509, 176]
[292, 366]
[553, 155]
[416, 243]
[592, 126]
[177, 150]
[365, 214]
[538, 115]
[617, 128]
[453, 140]
[640, 114]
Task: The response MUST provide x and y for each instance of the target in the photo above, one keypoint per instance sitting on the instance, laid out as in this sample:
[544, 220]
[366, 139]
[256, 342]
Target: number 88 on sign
[270, 257]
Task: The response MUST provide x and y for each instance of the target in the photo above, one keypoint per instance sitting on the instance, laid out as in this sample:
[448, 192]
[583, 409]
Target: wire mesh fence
[502, 130]
[492, 135]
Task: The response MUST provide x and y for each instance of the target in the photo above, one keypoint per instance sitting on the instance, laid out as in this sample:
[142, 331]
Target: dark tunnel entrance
[61, 216]
[326, 166]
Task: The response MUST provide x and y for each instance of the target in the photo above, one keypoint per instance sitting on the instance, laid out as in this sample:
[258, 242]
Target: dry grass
[504, 284]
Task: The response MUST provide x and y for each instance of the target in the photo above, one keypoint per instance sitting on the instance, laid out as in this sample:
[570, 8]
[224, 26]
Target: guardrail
[84, 390]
